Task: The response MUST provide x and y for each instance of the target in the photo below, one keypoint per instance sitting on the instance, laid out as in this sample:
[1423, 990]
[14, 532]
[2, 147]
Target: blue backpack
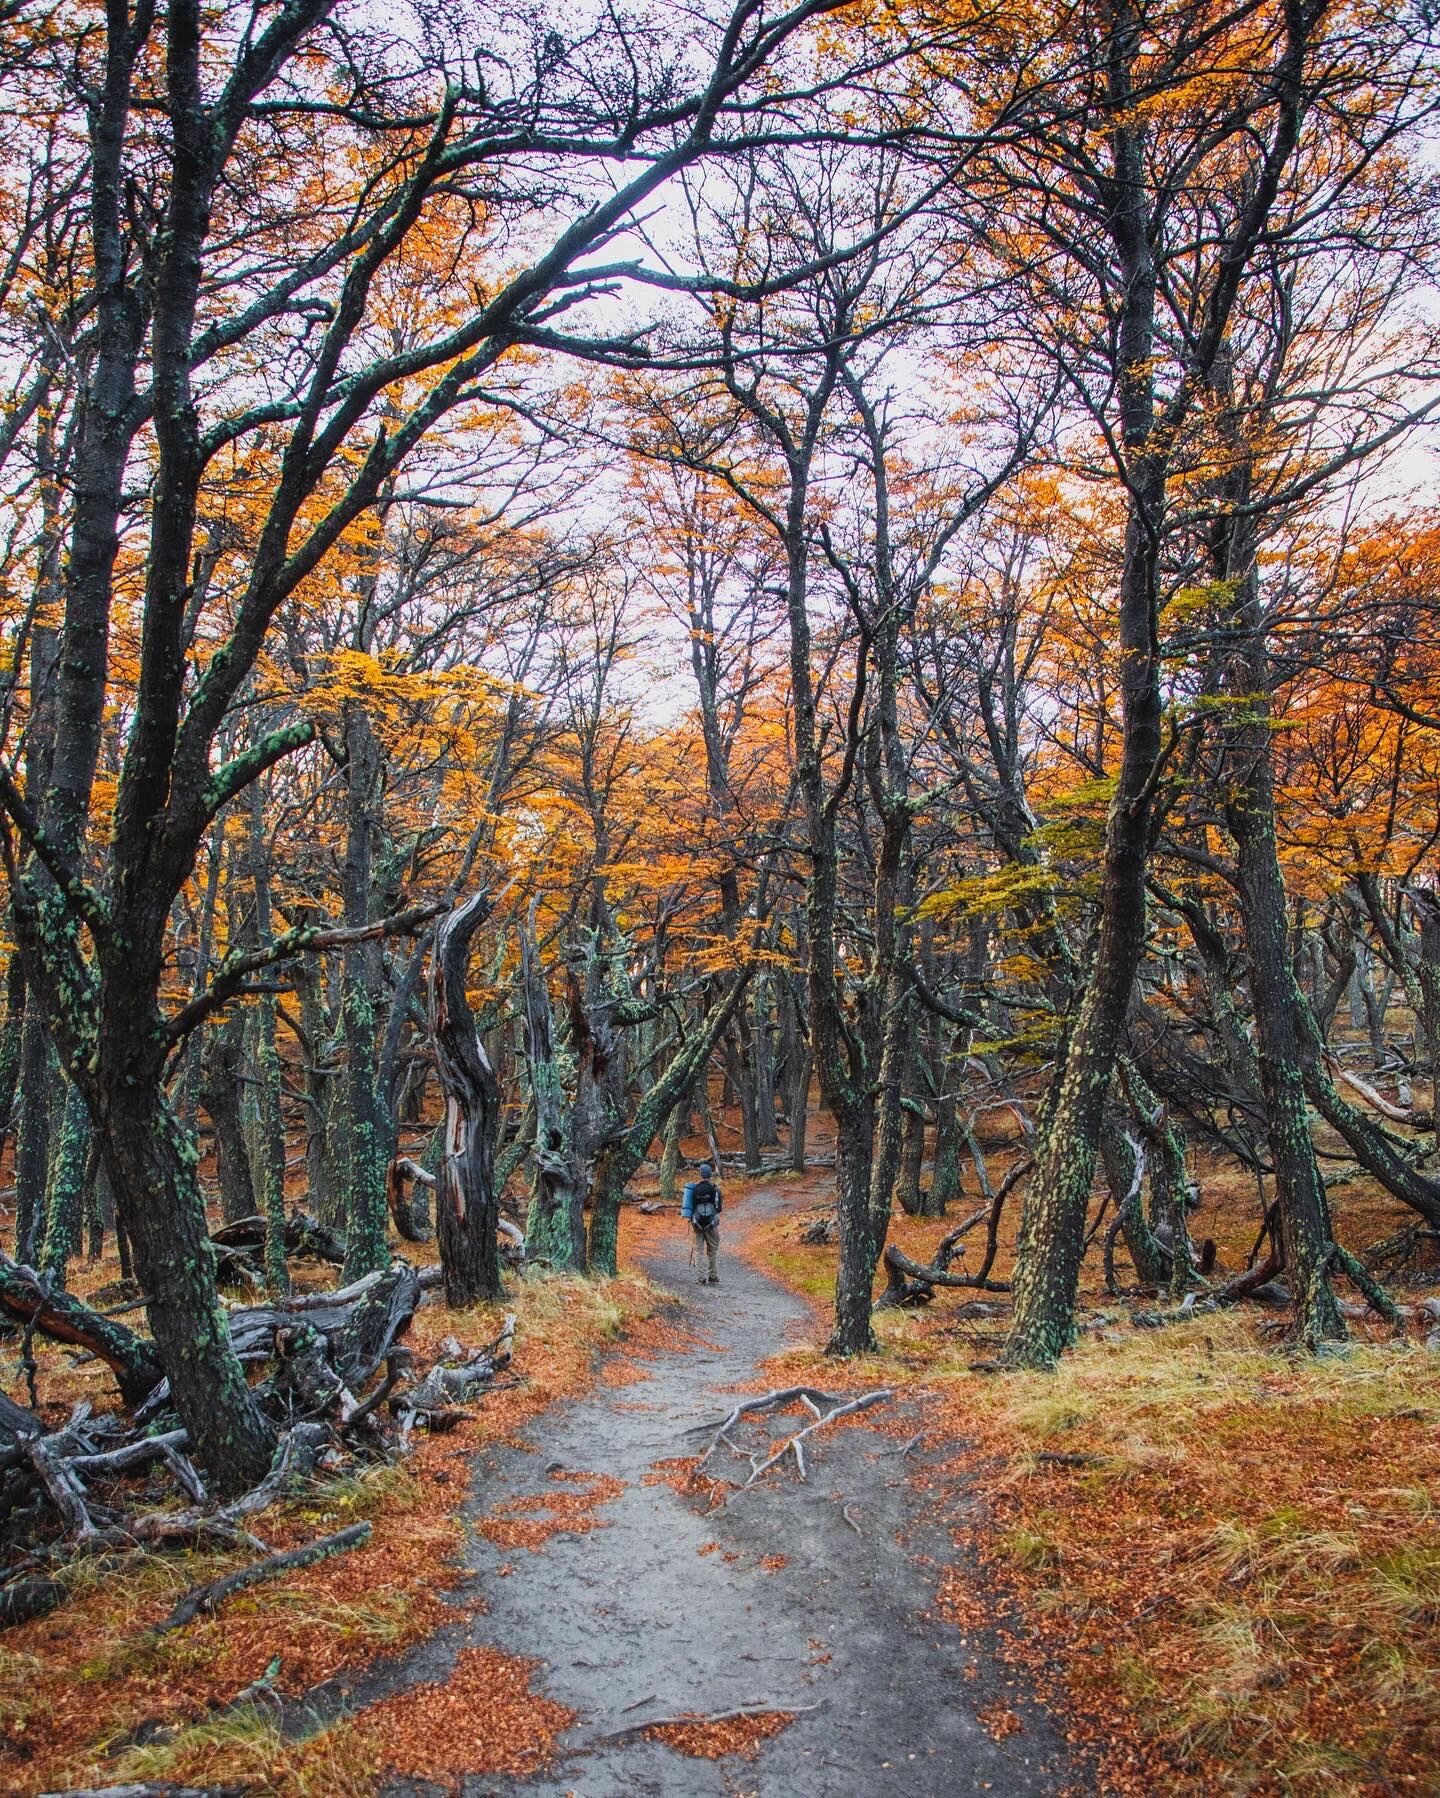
[704, 1205]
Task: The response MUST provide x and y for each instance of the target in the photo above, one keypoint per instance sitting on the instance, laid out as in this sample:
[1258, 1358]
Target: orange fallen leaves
[483, 1718]
[707, 1741]
[512, 1525]
[999, 1721]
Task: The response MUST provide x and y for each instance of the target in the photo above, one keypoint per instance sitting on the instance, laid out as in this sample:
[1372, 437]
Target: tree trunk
[1052, 1229]
[911, 1199]
[740, 1078]
[467, 1210]
[11, 1038]
[670, 1151]
[1300, 1193]
[270, 1121]
[764, 1043]
[318, 1085]
[798, 1107]
[1427, 973]
[896, 1061]
[220, 1087]
[620, 1156]
[66, 1184]
[855, 1278]
[555, 1229]
[1124, 1175]
[366, 1244]
[152, 1170]
[945, 1183]
[39, 1087]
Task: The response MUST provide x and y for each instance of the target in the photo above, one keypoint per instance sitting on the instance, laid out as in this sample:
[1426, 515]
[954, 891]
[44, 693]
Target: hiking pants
[707, 1239]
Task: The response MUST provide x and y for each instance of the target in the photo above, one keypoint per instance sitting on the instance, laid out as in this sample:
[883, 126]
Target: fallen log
[207, 1597]
[304, 1236]
[910, 1282]
[456, 1375]
[27, 1298]
[321, 1352]
[23, 1599]
[15, 1420]
[150, 1788]
[358, 1324]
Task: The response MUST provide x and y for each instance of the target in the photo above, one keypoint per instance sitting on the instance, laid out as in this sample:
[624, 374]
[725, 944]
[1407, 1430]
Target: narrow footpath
[791, 1596]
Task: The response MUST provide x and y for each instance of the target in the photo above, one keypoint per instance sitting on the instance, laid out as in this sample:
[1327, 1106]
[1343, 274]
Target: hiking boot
[714, 1280]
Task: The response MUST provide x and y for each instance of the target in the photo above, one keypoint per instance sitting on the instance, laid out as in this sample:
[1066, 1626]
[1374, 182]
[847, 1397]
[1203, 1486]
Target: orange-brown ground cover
[482, 1718]
[530, 1521]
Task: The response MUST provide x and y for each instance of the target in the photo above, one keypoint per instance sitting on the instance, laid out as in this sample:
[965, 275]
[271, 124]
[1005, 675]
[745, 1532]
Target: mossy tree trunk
[366, 1242]
[670, 1150]
[40, 1090]
[11, 1036]
[945, 1180]
[270, 1118]
[555, 1228]
[1304, 1210]
[66, 1183]
[1128, 232]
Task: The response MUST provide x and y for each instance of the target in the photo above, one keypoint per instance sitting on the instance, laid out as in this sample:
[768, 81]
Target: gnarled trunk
[467, 1209]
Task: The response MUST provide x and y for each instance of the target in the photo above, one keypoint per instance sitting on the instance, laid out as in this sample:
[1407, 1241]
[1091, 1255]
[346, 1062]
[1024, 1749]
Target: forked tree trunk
[620, 1156]
[467, 1207]
[1124, 1175]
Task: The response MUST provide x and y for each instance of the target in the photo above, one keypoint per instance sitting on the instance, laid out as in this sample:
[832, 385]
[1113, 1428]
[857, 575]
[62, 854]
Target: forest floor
[1189, 1562]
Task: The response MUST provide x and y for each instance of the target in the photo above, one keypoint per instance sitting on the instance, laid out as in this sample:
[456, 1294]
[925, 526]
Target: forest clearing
[720, 939]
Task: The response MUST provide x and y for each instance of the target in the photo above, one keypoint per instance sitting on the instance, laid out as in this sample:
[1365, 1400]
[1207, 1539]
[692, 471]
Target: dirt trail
[633, 1620]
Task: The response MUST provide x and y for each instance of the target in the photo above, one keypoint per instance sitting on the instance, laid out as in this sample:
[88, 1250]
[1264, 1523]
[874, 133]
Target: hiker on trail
[702, 1205]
